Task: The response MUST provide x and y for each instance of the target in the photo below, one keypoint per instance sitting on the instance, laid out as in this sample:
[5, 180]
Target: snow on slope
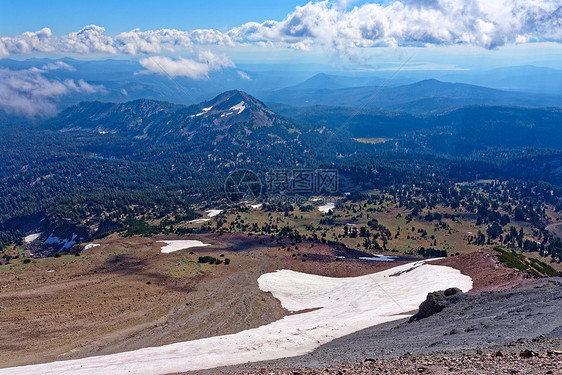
[32, 237]
[199, 221]
[240, 107]
[343, 306]
[326, 208]
[176, 245]
[213, 213]
[66, 243]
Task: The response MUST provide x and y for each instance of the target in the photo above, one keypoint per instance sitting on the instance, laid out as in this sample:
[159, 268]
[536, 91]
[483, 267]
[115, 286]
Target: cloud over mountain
[200, 67]
[29, 93]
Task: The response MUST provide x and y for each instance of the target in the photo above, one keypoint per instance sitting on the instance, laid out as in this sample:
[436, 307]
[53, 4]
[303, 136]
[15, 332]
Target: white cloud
[29, 93]
[334, 25]
[482, 23]
[137, 42]
[3, 50]
[244, 75]
[29, 42]
[200, 67]
[58, 65]
[92, 40]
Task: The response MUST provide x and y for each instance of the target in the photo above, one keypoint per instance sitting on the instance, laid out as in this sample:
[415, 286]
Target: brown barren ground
[125, 295]
[486, 271]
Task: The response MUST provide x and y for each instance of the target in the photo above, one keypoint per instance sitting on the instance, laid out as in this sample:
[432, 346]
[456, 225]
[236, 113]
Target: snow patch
[207, 109]
[91, 245]
[240, 107]
[32, 237]
[52, 240]
[341, 306]
[199, 221]
[326, 208]
[375, 257]
[176, 245]
[213, 213]
[66, 244]
[256, 206]
[380, 258]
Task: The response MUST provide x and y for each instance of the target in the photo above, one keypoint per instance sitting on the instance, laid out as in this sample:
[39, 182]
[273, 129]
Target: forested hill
[458, 132]
[229, 115]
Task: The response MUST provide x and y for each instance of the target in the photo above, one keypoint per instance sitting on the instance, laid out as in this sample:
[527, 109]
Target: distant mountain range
[421, 97]
[235, 118]
[526, 78]
[414, 92]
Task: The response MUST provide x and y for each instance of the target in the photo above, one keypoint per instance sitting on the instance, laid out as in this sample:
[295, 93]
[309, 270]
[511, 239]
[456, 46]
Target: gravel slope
[476, 321]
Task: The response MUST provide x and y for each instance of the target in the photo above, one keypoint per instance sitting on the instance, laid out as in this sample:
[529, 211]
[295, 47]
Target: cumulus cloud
[331, 24]
[58, 65]
[198, 68]
[29, 93]
[484, 23]
[3, 50]
[93, 40]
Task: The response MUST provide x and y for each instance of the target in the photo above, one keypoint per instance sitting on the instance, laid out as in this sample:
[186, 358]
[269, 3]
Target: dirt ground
[486, 271]
[125, 294]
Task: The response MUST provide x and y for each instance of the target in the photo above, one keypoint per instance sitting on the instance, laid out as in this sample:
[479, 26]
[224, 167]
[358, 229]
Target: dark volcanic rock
[437, 301]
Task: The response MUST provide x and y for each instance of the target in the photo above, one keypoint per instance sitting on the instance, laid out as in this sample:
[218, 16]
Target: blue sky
[63, 17]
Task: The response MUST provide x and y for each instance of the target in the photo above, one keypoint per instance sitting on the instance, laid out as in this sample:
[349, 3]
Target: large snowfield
[340, 306]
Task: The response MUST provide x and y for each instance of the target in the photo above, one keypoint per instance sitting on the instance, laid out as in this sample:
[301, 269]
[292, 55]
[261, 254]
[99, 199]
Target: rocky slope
[530, 313]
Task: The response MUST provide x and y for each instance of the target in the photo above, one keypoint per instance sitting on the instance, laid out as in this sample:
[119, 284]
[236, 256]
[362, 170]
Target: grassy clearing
[185, 268]
[372, 141]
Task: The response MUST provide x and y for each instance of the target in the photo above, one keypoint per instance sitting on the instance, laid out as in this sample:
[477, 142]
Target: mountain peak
[150, 119]
[234, 97]
[320, 81]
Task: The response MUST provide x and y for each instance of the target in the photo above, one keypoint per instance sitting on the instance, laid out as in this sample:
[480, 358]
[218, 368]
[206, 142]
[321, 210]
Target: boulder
[436, 302]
